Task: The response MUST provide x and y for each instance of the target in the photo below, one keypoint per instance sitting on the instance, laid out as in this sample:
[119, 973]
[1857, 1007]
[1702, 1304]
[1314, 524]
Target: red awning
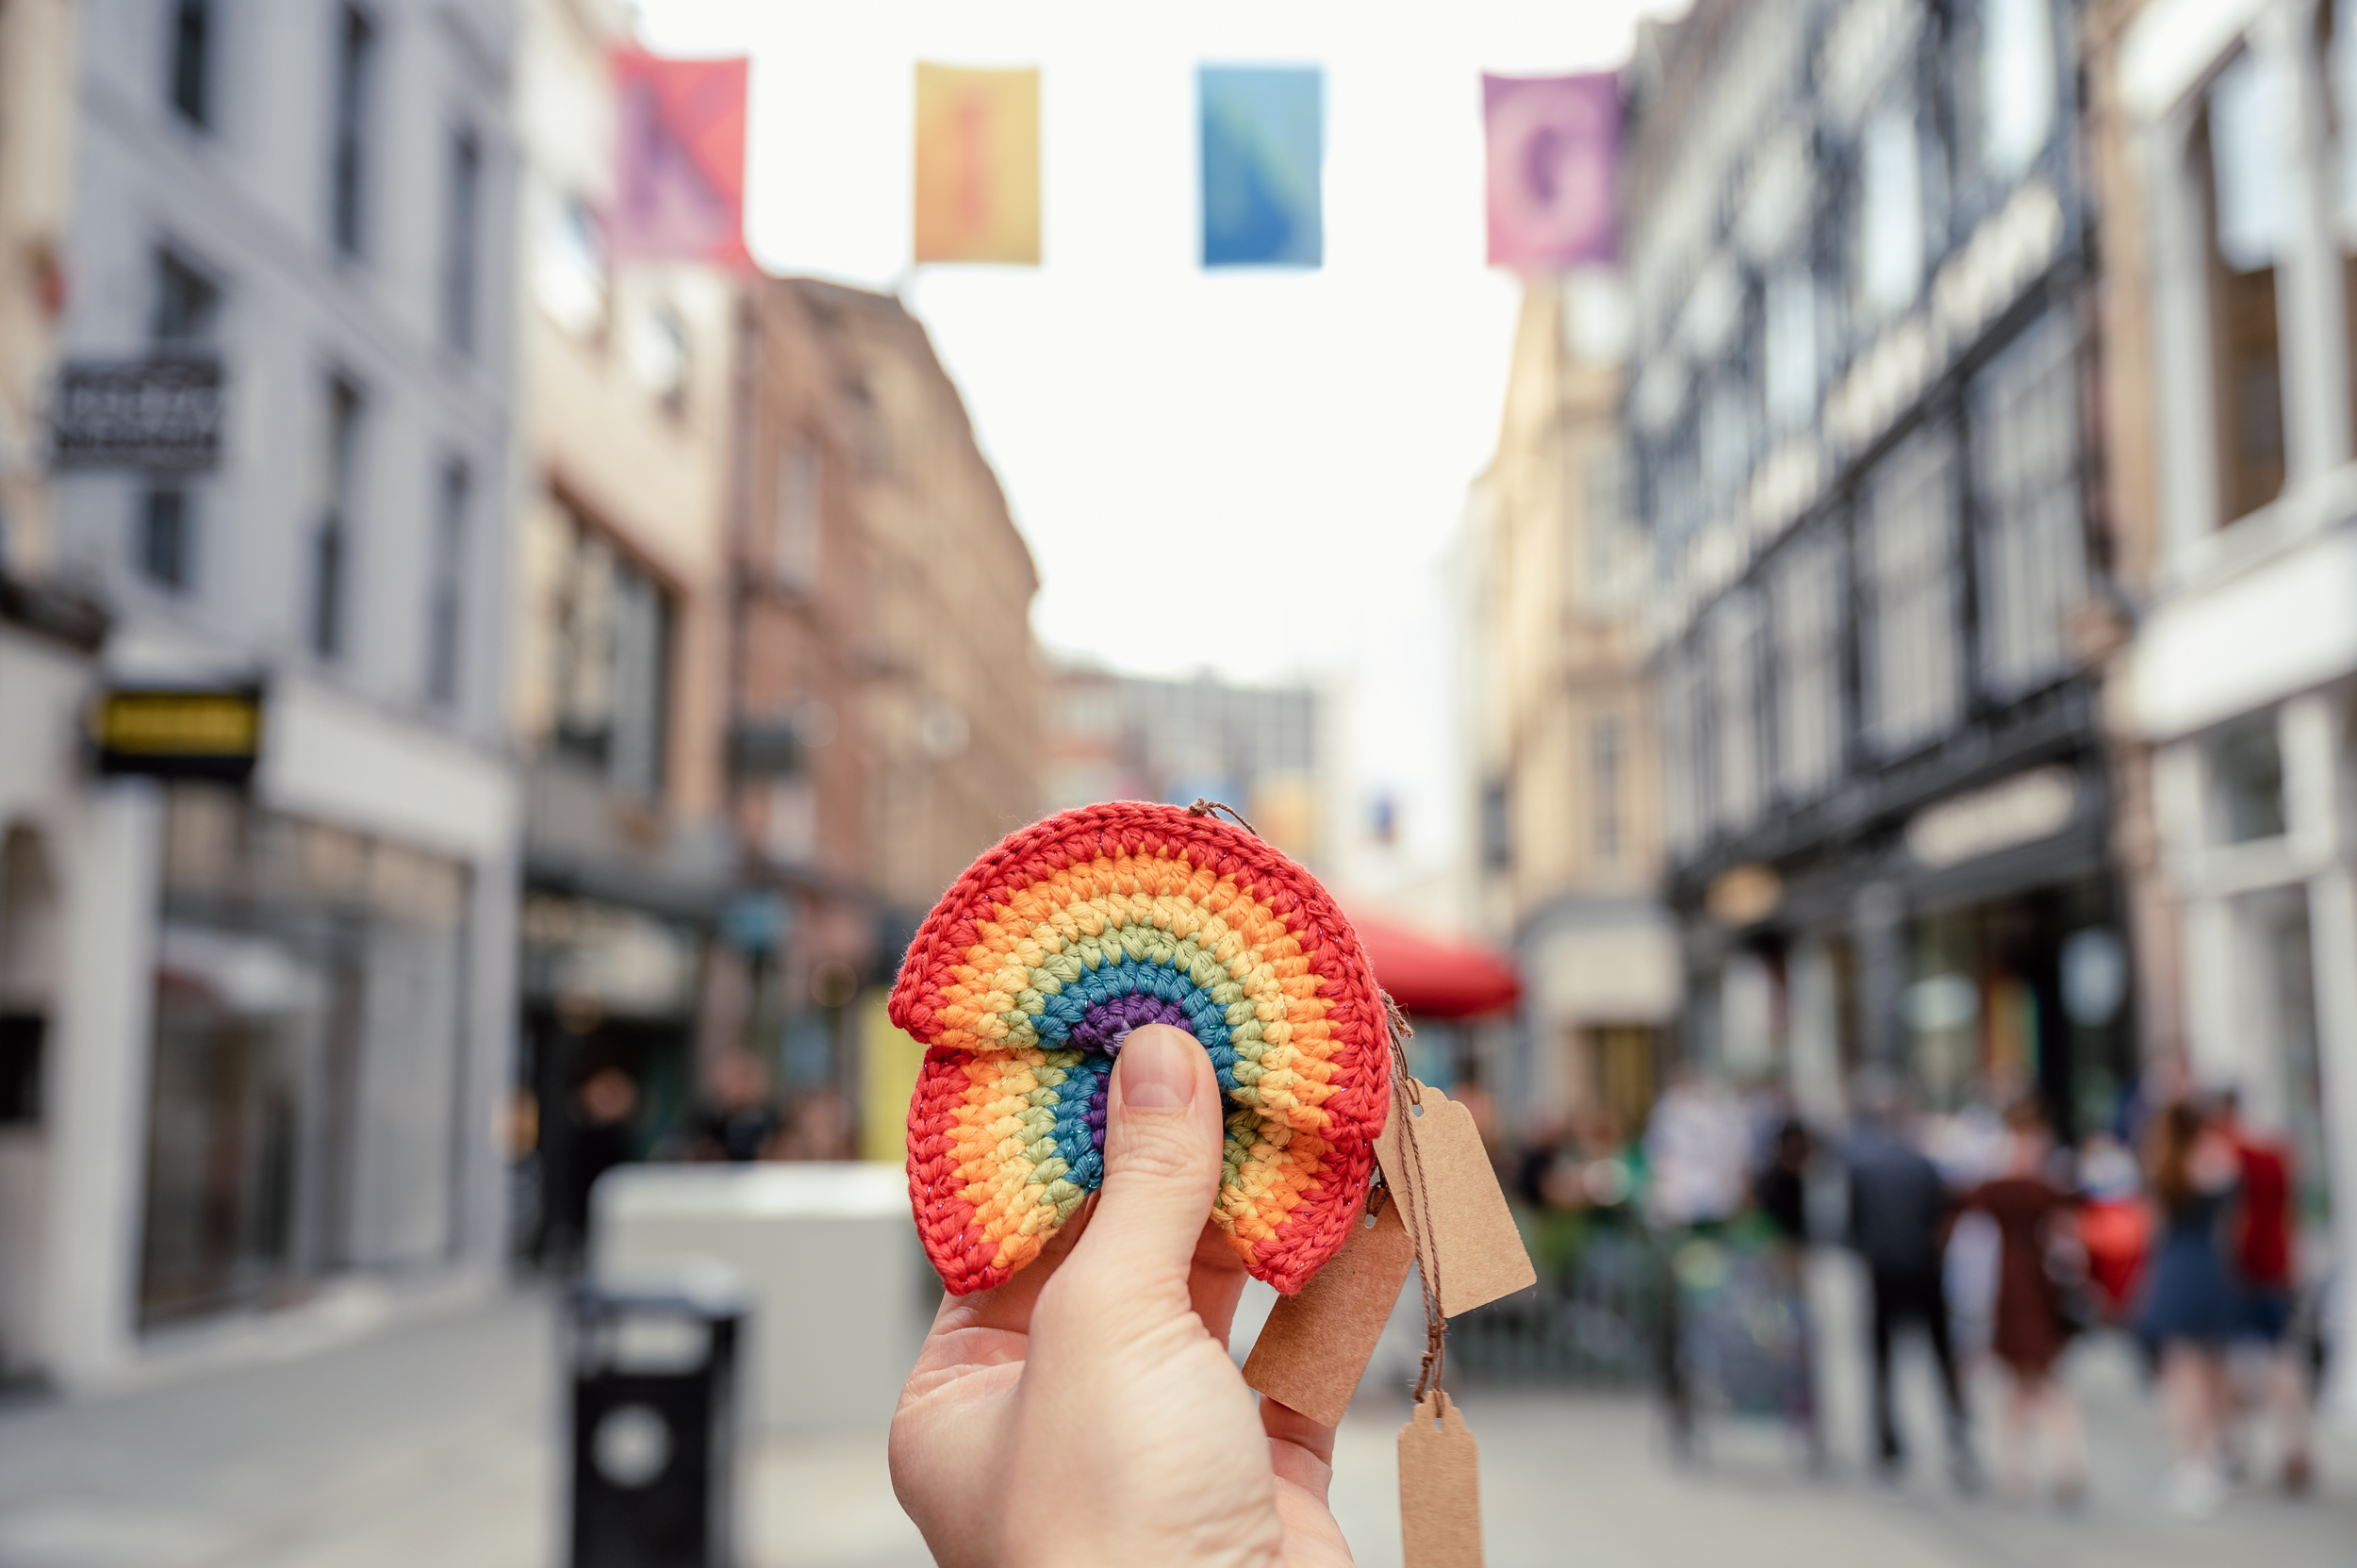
[1434, 977]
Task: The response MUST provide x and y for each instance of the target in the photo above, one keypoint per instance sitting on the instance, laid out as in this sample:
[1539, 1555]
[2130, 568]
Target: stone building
[279, 998]
[1860, 409]
[2221, 139]
[1563, 737]
[621, 635]
[884, 695]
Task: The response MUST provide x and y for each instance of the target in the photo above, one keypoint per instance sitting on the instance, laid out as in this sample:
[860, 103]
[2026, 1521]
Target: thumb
[1162, 1162]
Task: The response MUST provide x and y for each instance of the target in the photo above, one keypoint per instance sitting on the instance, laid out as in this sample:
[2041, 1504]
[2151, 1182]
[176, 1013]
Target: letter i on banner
[977, 165]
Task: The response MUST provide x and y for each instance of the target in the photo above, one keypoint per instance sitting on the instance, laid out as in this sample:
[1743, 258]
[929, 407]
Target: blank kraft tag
[1317, 1344]
[1479, 1252]
[1440, 1488]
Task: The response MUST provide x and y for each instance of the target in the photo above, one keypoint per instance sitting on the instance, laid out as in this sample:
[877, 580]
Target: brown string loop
[1204, 808]
[1416, 1208]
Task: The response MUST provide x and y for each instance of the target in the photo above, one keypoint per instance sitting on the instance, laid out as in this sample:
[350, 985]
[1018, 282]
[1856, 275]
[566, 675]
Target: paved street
[431, 1441]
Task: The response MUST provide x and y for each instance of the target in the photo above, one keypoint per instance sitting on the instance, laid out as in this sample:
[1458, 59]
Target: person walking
[2037, 1254]
[2191, 1309]
[2262, 1245]
[1898, 1220]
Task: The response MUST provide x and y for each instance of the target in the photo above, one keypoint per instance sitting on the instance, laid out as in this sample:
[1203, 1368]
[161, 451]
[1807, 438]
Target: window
[1604, 763]
[458, 243]
[2337, 23]
[613, 625]
[1804, 612]
[187, 304]
[1605, 523]
[1890, 213]
[1497, 832]
[568, 275]
[1789, 349]
[2247, 780]
[656, 348]
[446, 604]
[1726, 441]
[356, 64]
[1908, 663]
[2239, 160]
[795, 548]
[331, 542]
[192, 62]
[2017, 84]
[2032, 547]
[165, 530]
[1682, 752]
[1734, 718]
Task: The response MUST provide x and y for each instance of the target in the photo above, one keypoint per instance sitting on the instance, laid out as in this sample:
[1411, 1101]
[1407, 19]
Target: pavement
[433, 1438]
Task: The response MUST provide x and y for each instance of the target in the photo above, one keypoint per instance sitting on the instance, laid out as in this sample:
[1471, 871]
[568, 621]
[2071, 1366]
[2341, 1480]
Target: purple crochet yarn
[1108, 1023]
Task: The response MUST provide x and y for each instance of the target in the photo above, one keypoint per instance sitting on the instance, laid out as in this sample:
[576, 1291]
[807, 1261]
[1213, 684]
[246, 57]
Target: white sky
[1256, 471]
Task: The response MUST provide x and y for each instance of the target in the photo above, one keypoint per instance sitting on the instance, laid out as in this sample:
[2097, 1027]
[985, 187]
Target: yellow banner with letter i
[977, 165]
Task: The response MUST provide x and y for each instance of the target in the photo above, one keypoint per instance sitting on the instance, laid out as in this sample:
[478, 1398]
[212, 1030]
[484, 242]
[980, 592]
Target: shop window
[2239, 157]
[1804, 616]
[2033, 551]
[2247, 780]
[1735, 719]
[612, 674]
[1910, 666]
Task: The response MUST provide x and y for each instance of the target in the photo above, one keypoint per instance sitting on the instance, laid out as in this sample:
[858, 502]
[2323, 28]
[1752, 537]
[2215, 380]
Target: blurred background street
[1792, 564]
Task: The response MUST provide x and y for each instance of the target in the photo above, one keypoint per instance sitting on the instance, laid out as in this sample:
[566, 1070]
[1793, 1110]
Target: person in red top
[2262, 1243]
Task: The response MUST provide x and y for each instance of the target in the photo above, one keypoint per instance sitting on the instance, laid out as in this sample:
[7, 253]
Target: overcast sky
[1261, 472]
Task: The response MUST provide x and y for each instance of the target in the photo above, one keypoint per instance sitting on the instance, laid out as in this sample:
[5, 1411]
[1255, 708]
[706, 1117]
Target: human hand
[1086, 1411]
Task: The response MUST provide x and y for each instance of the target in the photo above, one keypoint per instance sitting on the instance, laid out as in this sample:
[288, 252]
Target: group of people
[2218, 1275]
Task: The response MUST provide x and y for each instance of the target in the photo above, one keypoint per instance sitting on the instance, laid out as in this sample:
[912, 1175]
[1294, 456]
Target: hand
[1086, 1411]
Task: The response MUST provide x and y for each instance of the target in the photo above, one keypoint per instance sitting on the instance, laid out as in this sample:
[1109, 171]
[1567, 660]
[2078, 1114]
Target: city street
[433, 1441]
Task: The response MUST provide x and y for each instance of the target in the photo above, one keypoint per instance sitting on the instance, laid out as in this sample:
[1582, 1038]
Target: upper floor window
[356, 91]
[186, 306]
[656, 348]
[2017, 84]
[446, 597]
[2239, 153]
[1735, 716]
[461, 220]
[1497, 832]
[2033, 549]
[1909, 668]
[794, 556]
[1789, 349]
[1605, 763]
[1683, 752]
[569, 268]
[1804, 616]
[331, 538]
[1891, 238]
[613, 661]
[2246, 770]
[1603, 520]
[191, 82]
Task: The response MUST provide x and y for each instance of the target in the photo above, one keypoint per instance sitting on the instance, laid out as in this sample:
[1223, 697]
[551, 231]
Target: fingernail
[1157, 1069]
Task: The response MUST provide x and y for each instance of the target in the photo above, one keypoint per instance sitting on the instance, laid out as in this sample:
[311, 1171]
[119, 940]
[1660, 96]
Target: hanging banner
[977, 165]
[1263, 158]
[680, 165]
[1554, 144]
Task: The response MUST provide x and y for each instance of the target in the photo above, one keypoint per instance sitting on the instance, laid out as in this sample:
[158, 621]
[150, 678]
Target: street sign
[160, 414]
[178, 733]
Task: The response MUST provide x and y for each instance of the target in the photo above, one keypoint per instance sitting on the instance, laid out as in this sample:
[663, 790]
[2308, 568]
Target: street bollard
[654, 1425]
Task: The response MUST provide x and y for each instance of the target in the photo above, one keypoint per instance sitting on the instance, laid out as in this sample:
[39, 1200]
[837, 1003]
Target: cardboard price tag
[1316, 1345]
[1465, 1235]
[1440, 1488]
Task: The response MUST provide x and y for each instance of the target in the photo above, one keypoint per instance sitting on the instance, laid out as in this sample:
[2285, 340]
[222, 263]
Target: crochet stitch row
[1034, 968]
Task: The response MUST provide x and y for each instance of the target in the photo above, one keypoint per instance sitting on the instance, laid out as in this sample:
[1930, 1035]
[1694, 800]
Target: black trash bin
[654, 1425]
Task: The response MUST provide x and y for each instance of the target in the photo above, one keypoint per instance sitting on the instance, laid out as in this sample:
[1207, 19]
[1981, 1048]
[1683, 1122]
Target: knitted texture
[1033, 968]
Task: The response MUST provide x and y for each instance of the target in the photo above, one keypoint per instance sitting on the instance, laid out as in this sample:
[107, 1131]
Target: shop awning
[1432, 975]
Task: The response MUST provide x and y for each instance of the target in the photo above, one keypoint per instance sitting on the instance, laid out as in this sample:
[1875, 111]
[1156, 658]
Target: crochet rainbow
[1033, 968]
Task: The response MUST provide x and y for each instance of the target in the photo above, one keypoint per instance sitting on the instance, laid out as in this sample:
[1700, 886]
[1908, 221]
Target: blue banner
[1263, 154]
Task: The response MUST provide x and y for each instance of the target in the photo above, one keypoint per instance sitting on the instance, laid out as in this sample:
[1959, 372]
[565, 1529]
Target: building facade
[1569, 846]
[279, 1023]
[2231, 247]
[621, 626]
[1860, 413]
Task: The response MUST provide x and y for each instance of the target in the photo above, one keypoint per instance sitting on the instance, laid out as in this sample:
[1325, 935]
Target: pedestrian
[2191, 1309]
[2262, 1245]
[1898, 1221]
[739, 1120]
[2039, 1262]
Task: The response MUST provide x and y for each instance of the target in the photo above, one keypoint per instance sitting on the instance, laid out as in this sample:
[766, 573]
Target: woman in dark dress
[2036, 1223]
[2191, 1310]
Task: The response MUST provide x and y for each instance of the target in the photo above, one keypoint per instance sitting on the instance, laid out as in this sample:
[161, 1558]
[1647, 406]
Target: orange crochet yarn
[1031, 970]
